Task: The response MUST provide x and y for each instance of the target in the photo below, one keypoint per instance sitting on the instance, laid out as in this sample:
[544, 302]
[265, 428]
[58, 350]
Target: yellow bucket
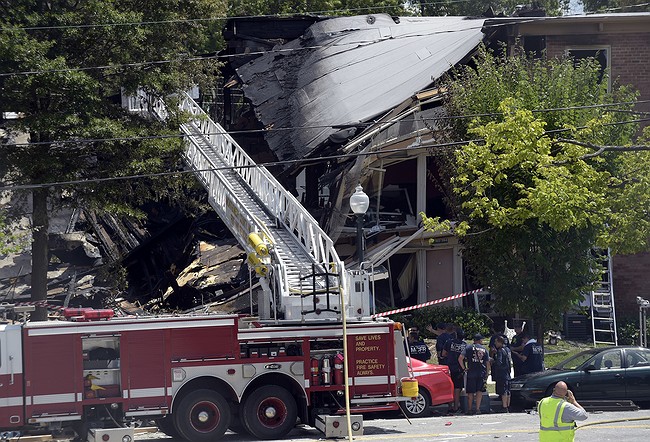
[409, 387]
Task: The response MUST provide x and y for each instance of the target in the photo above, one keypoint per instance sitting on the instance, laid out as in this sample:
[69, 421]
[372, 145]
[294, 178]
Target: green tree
[478, 7]
[536, 190]
[319, 7]
[10, 242]
[66, 80]
[614, 6]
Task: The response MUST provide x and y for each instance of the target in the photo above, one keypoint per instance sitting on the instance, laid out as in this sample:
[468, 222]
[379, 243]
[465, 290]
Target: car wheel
[419, 406]
[270, 412]
[202, 416]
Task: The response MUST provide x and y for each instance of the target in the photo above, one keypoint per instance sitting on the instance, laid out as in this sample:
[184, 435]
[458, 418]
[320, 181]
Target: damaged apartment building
[331, 102]
[349, 100]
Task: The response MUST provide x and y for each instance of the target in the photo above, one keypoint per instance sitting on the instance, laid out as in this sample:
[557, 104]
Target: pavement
[617, 426]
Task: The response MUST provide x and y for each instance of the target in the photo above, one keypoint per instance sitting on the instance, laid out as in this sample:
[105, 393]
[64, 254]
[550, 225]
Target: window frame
[607, 49]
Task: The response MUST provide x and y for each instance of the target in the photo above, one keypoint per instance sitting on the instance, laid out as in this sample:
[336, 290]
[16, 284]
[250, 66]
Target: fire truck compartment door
[11, 376]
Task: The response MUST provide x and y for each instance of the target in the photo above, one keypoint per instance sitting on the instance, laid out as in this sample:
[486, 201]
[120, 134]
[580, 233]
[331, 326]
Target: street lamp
[359, 203]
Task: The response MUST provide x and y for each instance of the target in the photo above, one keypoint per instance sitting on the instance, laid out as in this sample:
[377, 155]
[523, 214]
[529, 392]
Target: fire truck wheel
[202, 416]
[166, 425]
[418, 407]
[237, 426]
[270, 412]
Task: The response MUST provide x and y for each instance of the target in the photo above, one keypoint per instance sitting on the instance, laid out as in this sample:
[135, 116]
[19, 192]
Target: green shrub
[469, 320]
[628, 331]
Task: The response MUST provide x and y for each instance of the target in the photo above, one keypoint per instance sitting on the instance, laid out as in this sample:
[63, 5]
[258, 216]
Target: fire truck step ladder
[603, 311]
[249, 199]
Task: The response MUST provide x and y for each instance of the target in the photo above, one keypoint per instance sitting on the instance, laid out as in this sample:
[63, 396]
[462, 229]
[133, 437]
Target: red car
[435, 387]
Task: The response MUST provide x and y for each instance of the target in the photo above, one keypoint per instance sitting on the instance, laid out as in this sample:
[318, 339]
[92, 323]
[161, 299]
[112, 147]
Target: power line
[209, 19]
[247, 54]
[308, 161]
[326, 126]
[618, 8]
[303, 161]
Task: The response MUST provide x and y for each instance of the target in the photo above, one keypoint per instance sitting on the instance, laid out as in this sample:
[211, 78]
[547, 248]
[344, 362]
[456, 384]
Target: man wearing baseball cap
[476, 364]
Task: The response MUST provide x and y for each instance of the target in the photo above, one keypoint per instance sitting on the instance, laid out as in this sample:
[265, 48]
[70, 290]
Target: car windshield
[575, 361]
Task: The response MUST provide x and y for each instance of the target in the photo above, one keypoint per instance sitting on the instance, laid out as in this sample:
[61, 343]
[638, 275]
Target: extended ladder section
[299, 269]
[603, 311]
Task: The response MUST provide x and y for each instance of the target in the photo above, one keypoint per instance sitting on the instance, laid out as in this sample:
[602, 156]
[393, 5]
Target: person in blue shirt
[455, 347]
[476, 363]
[417, 347]
[498, 331]
[443, 332]
[532, 356]
[516, 346]
[501, 365]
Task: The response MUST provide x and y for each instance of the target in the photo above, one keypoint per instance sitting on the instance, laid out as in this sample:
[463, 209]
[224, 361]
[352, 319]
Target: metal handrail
[278, 202]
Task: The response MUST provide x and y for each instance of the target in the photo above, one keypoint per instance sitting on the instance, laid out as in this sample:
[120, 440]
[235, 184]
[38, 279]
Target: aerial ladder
[301, 274]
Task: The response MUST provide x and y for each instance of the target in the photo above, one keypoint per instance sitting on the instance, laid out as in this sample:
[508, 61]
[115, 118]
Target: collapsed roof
[345, 71]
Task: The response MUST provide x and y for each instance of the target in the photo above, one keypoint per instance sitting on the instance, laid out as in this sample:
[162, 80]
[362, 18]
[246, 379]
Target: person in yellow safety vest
[557, 415]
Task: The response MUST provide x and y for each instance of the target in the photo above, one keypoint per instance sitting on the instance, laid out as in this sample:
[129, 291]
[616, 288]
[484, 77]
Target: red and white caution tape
[427, 304]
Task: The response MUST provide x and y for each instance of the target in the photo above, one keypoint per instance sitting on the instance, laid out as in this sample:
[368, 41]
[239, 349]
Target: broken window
[598, 53]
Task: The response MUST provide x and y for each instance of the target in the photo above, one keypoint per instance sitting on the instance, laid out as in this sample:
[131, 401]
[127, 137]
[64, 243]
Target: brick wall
[631, 279]
[630, 64]
[629, 57]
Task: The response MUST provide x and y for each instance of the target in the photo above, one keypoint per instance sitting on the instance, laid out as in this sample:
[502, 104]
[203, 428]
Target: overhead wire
[619, 8]
[247, 54]
[325, 126]
[303, 161]
[217, 18]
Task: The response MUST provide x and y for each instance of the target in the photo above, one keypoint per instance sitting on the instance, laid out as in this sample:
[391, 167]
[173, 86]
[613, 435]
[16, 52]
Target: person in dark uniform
[442, 336]
[498, 331]
[501, 365]
[455, 347]
[516, 345]
[417, 346]
[532, 356]
[476, 363]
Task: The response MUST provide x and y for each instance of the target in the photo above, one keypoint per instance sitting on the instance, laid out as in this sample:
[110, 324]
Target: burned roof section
[345, 71]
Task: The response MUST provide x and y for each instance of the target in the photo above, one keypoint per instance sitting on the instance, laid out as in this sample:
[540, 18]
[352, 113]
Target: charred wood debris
[169, 262]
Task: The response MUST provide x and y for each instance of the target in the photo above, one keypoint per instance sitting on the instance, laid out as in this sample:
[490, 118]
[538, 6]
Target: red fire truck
[196, 375]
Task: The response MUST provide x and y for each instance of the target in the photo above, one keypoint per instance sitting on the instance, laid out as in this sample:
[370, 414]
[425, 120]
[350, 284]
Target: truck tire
[202, 416]
[418, 407]
[269, 412]
[236, 425]
[166, 425]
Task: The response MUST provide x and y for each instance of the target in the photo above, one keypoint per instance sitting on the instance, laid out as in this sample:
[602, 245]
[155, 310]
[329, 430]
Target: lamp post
[359, 203]
[644, 304]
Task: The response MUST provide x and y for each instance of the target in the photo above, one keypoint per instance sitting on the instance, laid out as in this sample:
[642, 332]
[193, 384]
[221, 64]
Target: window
[576, 361]
[600, 53]
[611, 359]
[638, 358]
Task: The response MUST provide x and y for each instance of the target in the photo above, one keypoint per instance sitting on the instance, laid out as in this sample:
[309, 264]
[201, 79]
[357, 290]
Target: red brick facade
[629, 57]
[627, 36]
[631, 279]
[630, 65]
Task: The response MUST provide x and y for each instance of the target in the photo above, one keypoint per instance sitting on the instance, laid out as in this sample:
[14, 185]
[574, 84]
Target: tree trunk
[39, 253]
[539, 332]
